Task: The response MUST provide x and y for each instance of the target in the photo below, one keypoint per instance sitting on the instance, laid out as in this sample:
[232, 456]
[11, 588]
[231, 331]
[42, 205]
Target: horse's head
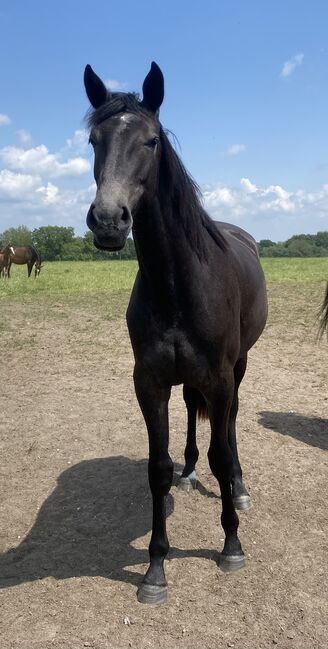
[37, 268]
[125, 135]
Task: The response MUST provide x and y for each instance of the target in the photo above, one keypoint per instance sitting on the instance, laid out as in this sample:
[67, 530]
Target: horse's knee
[160, 474]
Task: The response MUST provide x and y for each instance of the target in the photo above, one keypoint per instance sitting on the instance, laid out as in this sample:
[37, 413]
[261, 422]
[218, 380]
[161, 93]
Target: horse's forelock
[118, 102]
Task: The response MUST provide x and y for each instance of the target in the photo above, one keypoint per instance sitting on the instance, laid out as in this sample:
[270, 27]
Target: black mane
[177, 186]
[181, 190]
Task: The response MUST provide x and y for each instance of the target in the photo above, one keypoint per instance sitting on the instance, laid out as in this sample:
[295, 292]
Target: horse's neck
[166, 259]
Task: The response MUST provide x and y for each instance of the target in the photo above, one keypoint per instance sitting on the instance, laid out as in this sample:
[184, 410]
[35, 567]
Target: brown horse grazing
[4, 260]
[323, 315]
[2, 265]
[198, 303]
[25, 255]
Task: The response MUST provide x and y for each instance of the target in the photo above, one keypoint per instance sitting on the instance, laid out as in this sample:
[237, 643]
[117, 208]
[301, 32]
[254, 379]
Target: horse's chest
[173, 358]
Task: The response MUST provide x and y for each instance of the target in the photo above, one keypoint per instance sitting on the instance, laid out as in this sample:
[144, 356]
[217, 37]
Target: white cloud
[28, 194]
[248, 186]
[219, 196]
[235, 149]
[73, 167]
[4, 120]
[250, 199]
[79, 141]
[24, 137]
[38, 160]
[15, 186]
[290, 65]
[50, 193]
[271, 211]
[27, 201]
[115, 85]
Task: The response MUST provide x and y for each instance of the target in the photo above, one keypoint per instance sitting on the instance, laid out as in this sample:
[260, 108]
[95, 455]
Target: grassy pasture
[71, 278]
[299, 270]
[111, 277]
[295, 287]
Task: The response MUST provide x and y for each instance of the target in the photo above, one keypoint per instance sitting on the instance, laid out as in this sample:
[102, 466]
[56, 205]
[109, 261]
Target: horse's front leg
[220, 399]
[153, 401]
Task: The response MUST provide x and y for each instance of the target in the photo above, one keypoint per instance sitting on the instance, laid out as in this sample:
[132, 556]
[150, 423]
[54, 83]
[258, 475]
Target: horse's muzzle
[110, 232]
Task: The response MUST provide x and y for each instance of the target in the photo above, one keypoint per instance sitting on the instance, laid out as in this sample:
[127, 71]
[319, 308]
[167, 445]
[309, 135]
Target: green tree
[300, 247]
[50, 240]
[74, 250]
[20, 236]
[321, 241]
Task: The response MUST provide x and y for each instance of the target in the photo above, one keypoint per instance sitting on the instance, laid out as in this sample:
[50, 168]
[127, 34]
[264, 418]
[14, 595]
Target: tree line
[300, 245]
[60, 243]
[57, 243]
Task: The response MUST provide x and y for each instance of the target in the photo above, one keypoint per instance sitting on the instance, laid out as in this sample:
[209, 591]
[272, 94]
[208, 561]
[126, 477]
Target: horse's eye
[153, 142]
[94, 138]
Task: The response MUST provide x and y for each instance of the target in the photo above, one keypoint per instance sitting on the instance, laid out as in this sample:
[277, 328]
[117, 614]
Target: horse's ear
[95, 88]
[153, 88]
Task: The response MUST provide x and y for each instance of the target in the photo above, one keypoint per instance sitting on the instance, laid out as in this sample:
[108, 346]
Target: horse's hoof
[232, 562]
[148, 594]
[243, 502]
[188, 483]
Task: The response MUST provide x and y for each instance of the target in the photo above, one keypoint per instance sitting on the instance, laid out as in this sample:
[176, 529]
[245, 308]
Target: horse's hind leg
[188, 478]
[240, 495]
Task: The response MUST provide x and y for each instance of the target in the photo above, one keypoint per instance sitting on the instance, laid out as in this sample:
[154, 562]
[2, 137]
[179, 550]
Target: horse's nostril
[92, 218]
[126, 215]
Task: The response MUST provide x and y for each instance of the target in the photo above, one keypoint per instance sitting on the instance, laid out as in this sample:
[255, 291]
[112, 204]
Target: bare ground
[75, 506]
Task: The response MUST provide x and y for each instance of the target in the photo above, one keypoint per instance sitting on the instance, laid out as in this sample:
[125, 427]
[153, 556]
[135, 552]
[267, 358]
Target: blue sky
[246, 95]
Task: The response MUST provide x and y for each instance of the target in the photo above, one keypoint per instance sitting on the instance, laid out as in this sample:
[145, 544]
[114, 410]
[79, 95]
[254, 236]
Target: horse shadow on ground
[87, 525]
[310, 430]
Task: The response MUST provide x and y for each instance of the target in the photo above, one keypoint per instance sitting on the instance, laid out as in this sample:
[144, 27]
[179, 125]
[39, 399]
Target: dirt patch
[75, 505]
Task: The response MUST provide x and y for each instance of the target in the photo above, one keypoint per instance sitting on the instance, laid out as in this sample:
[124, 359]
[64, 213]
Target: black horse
[197, 306]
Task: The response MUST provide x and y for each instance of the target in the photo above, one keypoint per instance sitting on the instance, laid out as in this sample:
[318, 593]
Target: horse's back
[236, 237]
[23, 254]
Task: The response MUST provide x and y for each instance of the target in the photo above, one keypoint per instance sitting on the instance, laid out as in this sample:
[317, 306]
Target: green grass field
[299, 270]
[71, 278]
[114, 277]
[295, 288]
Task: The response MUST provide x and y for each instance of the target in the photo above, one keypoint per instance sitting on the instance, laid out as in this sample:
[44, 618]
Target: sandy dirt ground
[75, 505]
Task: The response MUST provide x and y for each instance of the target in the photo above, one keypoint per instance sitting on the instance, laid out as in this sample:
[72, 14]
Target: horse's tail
[323, 315]
[202, 410]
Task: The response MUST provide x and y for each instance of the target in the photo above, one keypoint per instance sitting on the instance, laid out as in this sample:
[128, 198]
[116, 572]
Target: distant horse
[25, 255]
[198, 304]
[2, 264]
[323, 315]
[4, 260]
